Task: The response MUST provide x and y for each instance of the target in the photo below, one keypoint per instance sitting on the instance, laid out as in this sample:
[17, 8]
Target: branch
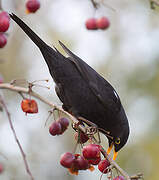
[74, 120]
[95, 4]
[19, 89]
[16, 138]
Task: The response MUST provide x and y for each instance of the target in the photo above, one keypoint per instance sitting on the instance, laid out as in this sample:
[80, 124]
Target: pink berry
[80, 163]
[103, 23]
[64, 122]
[67, 159]
[55, 128]
[4, 21]
[91, 24]
[4, 13]
[32, 5]
[119, 178]
[94, 161]
[103, 165]
[91, 151]
[1, 168]
[3, 40]
[81, 137]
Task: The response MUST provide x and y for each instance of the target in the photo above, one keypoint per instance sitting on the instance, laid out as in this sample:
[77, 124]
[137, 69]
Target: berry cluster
[31, 7]
[91, 155]
[74, 162]
[94, 24]
[59, 126]
[4, 25]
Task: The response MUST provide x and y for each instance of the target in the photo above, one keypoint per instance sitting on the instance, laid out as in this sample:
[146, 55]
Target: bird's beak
[110, 148]
[115, 155]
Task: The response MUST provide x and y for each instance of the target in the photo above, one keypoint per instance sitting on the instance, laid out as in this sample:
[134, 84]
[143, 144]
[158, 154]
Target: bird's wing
[111, 102]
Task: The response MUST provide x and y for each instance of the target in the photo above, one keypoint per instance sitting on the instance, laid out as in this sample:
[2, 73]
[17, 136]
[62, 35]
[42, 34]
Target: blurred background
[126, 54]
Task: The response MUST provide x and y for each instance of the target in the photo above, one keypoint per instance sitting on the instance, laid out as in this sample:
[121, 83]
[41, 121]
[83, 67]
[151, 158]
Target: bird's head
[119, 140]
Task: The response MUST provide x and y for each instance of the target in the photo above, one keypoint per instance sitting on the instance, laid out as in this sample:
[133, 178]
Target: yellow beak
[110, 148]
[115, 155]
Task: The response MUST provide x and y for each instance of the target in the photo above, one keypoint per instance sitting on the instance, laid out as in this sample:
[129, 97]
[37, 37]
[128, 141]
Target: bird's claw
[75, 125]
[91, 131]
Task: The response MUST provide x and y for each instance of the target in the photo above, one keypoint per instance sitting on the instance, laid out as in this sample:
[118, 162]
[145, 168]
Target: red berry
[55, 128]
[29, 106]
[81, 137]
[102, 23]
[64, 123]
[94, 161]
[102, 166]
[3, 40]
[119, 178]
[80, 163]
[67, 159]
[1, 168]
[4, 21]
[91, 151]
[91, 24]
[32, 6]
[4, 13]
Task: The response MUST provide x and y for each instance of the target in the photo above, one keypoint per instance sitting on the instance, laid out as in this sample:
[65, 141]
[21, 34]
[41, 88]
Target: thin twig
[95, 4]
[74, 120]
[137, 176]
[16, 138]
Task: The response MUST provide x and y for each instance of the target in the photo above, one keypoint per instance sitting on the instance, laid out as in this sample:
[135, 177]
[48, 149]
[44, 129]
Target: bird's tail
[34, 37]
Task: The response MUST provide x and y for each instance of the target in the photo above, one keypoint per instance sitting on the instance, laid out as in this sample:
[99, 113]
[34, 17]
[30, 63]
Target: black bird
[83, 92]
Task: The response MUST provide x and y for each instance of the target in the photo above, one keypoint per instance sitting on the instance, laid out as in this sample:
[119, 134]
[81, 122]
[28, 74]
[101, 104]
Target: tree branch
[16, 138]
[19, 89]
[72, 118]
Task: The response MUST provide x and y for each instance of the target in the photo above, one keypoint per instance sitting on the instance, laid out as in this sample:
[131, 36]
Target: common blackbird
[83, 92]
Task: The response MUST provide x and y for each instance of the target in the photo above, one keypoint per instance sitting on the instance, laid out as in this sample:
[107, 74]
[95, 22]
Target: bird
[84, 92]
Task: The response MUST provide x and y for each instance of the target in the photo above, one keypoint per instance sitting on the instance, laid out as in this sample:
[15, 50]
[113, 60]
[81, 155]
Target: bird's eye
[117, 141]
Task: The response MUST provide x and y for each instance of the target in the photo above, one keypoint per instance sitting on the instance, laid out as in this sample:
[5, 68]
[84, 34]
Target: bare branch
[34, 94]
[95, 4]
[16, 138]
